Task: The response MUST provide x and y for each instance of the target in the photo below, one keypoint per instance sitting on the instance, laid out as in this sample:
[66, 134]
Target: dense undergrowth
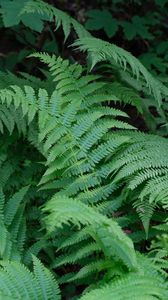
[83, 192]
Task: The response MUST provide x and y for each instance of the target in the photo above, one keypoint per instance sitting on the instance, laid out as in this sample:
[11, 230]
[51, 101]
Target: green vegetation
[83, 154]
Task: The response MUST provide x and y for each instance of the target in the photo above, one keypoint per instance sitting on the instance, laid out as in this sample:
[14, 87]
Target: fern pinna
[94, 174]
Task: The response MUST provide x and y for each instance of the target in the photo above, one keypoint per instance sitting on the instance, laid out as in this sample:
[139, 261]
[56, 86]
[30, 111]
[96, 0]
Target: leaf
[137, 26]
[11, 13]
[129, 30]
[33, 21]
[102, 20]
[11, 10]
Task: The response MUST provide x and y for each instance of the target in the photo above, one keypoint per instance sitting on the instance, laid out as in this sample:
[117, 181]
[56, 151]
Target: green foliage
[59, 17]
[65, 210]
[82, 191]
[99, 50]
[17, 282]
[130, 287]
[102, 19]
[11, 13]
[12, 225]
[136, 27]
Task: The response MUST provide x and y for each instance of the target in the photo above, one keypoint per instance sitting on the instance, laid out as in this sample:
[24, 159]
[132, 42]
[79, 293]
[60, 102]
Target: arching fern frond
[64, 210]
[130, 287]
[99, 50]
[143, 166]
[55, 15]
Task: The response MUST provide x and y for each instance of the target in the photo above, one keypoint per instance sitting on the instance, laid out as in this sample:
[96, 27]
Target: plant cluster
[83, 192]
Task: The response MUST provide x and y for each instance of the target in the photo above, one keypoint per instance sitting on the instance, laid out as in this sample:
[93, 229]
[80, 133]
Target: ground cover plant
[83, 188]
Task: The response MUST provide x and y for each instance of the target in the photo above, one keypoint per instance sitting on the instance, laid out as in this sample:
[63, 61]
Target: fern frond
[59, 17]
[99, 50]
[64, 210]
[145, 211]
[143, 166]
[130, 287]
[17, 282]
[13, 205]
[90, 269]
[79, 236]
[73, 258]
[12, 225]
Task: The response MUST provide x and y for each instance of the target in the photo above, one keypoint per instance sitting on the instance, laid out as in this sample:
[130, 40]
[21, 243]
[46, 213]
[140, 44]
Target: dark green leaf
[102, 20]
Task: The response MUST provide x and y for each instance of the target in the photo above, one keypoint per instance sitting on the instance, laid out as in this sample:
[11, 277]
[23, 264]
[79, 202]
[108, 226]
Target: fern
[99, 50]
[56, 15]
[11, 223]
[143, 165]
[130, 288]
[64, 211]
[98, 173]
[73, 151]
[17, 282]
